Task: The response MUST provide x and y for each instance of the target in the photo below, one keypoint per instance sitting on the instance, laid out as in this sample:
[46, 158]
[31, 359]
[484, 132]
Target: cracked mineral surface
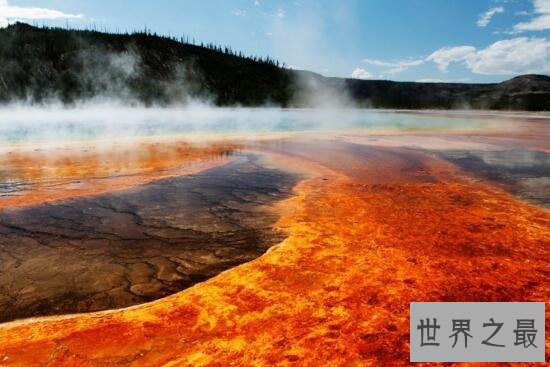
[139, 244]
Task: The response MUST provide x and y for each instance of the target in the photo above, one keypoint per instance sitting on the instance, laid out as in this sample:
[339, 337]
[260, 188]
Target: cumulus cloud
[394, 66]
[507, 57]
[9, 13]
[360, 73]
[514, 56]
[541, 21]
[444, 56]
[485, 18]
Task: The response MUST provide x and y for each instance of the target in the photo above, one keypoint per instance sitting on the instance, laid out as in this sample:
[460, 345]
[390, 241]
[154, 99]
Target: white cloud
[431, 80]
[394, 66]
[541, 21]
[514, 56]
[256, 3]
[444, 56]
[520, 55]
[437, 80]
[239, 12]
[10, 13]
[485, 18]
[360, 73]
[396, 63]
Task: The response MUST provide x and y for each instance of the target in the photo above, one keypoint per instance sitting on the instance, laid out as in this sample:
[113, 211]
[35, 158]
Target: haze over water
[22, 125]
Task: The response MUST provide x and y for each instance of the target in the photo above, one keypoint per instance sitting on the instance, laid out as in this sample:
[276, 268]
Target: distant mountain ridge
[52, 64]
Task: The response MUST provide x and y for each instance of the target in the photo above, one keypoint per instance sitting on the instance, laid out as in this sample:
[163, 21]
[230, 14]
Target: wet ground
[371, 221]
[524, 173]
[135, 245]
[369, 230]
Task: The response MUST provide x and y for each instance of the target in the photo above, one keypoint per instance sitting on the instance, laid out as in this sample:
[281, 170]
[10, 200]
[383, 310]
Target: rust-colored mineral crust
[366, 236]
[55, 173]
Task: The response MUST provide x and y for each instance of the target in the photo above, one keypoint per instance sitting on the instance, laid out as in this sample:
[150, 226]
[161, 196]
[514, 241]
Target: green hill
[39, 65]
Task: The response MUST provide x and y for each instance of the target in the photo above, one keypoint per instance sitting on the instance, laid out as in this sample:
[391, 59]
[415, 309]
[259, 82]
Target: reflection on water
[37, 175]
[523, 172]
[504, 162]
[522, 160]
[11, 187]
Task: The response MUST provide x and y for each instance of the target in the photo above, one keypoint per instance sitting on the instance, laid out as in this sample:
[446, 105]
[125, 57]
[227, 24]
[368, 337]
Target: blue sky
[426, 40]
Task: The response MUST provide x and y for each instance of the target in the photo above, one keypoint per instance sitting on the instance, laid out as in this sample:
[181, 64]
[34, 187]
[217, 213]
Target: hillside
[50, 64]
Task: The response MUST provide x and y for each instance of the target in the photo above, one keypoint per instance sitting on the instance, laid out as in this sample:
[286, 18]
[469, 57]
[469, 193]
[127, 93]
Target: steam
[316, 91]
[97, 73]
[108, 106]
[107, 74]
[92, 121]
[300, 40]
[21, 123]
[127, 80]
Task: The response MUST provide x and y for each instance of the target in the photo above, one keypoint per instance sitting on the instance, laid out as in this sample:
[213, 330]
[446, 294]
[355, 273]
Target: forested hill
[52, 64]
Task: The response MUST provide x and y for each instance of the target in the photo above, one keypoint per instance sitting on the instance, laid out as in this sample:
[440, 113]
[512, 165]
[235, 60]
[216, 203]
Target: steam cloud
[108, 106]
